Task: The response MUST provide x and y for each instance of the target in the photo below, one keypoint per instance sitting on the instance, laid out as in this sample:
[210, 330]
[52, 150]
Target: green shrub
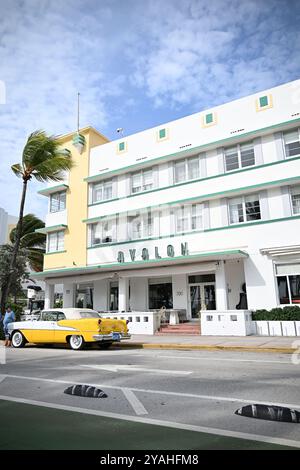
[288, 313]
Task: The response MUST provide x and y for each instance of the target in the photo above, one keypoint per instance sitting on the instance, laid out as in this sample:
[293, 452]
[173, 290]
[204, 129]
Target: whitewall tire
[18, 340]
[76, 342]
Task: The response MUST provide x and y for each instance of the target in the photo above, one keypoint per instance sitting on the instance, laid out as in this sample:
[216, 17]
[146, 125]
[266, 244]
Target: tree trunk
[16, 247]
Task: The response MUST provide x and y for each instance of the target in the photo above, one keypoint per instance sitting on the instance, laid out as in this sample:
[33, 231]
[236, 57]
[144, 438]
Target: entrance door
[114, 297]
[202, 295]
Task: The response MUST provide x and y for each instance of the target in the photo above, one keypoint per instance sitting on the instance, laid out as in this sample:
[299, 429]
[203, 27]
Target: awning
[142, 264]
[280, 251]
[53, 228]
[53, 189]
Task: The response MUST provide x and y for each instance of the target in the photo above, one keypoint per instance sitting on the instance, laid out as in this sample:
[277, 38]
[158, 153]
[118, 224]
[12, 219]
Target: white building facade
[202, 213]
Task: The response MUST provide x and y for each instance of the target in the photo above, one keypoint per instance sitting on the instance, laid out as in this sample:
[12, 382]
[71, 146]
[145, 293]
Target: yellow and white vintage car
[74, 326]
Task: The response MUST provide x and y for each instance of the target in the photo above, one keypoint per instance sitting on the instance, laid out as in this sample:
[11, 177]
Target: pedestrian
[9, 317]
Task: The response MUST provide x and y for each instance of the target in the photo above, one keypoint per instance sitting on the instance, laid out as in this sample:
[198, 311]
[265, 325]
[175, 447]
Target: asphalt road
[155, 399]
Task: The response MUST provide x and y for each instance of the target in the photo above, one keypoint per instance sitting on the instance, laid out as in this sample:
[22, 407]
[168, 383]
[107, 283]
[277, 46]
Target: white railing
[226, 323]
[140, 323]
[276, 328]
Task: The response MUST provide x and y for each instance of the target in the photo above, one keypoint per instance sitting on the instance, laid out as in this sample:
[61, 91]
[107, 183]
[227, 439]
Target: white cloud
[130, 59]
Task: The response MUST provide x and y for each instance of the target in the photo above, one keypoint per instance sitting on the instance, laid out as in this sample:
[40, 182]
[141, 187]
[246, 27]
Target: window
[121, 146]
[239, 156]
[292, 143]
[141, 181]
[140, 225]
[102, 232]
[58, 201]
[244, 209]
[160, 294]
[55, 241]
[289, 289]
[187, 169]
[188, 218]
[295, 199]
[102, 191]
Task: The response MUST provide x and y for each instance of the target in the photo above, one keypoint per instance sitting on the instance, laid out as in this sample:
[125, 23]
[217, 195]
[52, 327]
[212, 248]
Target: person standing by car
[9, 317]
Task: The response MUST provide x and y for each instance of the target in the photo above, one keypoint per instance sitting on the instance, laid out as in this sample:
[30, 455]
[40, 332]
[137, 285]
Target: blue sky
[136, 63]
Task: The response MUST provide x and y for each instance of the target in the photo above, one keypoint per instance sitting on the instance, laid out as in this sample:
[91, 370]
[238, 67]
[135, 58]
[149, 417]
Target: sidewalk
[278, 344]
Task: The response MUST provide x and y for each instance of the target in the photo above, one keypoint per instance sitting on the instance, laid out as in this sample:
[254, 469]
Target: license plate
[116, 336]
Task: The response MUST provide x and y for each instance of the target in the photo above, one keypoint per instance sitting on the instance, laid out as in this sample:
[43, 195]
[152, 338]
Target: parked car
[74, 326]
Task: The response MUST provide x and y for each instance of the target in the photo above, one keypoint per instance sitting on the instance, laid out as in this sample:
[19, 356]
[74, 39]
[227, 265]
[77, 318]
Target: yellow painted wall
[77, 204]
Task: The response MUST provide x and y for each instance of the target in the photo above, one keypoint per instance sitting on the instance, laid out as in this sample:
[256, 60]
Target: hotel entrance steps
[188, 328]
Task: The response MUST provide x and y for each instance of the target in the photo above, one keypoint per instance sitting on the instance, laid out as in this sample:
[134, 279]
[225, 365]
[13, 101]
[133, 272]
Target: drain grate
[85, 391]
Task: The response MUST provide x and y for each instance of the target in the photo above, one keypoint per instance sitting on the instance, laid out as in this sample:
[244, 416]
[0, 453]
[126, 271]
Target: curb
[197, 347]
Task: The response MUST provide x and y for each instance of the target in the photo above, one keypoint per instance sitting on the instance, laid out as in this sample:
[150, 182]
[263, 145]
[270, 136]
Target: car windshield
[89, 315]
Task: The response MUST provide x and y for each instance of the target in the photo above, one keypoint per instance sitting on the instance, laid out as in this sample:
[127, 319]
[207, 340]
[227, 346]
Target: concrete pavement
[279, 344]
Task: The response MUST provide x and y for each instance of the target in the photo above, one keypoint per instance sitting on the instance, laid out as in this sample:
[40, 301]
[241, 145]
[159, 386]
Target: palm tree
[32, 241]
[42, 159]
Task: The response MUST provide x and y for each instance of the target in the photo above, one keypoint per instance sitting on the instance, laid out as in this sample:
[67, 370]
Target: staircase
[187, 328]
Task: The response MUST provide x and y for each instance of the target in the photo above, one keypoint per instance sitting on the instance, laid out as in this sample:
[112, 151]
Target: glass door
[202, 296]
[195, 300]
[114, 296]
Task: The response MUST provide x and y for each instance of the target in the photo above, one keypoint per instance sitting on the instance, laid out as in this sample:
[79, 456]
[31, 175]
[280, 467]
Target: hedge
[289, 313]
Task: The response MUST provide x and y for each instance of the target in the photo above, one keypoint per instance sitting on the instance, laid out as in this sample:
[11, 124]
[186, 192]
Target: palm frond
[52, 169]
[17, 169]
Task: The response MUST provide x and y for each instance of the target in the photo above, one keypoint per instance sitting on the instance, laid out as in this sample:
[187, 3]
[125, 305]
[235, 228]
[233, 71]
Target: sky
[136, 64]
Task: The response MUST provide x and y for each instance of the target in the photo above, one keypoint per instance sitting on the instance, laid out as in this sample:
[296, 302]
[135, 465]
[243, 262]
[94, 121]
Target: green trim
[240, 170]
[204, 196]
[53, 228]
[190, 151]
[55, 252]
[130, 263]
[215, 229]
[106, 201]
[53, 189]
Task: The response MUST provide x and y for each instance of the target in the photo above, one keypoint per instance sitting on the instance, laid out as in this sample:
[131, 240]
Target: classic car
[74, 326]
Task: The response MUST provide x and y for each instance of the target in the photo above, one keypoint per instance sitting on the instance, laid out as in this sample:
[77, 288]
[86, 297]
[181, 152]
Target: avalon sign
[145, 254]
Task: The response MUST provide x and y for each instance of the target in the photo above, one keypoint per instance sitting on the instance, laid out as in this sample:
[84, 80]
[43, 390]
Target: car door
[44, 328]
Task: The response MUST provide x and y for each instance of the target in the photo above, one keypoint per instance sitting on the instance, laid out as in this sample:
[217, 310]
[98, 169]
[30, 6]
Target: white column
[69, 295]
[49, 295]
[101, 294]
[123, 294]
[221, 287]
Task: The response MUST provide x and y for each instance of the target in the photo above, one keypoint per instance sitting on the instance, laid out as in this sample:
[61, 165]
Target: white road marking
[157, 422]
[160, 392]
[217, 359]
[116, 368]
[82, 353]
[136, 404]
[2, 377]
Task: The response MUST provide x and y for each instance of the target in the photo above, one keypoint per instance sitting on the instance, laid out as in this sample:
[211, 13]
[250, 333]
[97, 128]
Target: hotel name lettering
[145, 254]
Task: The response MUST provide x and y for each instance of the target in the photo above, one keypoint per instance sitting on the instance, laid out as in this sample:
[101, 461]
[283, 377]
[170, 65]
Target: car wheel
[105, 345]
[76, 342]
[18, 340]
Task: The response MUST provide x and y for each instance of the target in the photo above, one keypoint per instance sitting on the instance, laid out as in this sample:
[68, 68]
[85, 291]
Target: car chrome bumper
[110, 337]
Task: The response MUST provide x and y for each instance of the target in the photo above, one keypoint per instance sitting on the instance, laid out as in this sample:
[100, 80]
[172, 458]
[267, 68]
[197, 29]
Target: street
[155, 399]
